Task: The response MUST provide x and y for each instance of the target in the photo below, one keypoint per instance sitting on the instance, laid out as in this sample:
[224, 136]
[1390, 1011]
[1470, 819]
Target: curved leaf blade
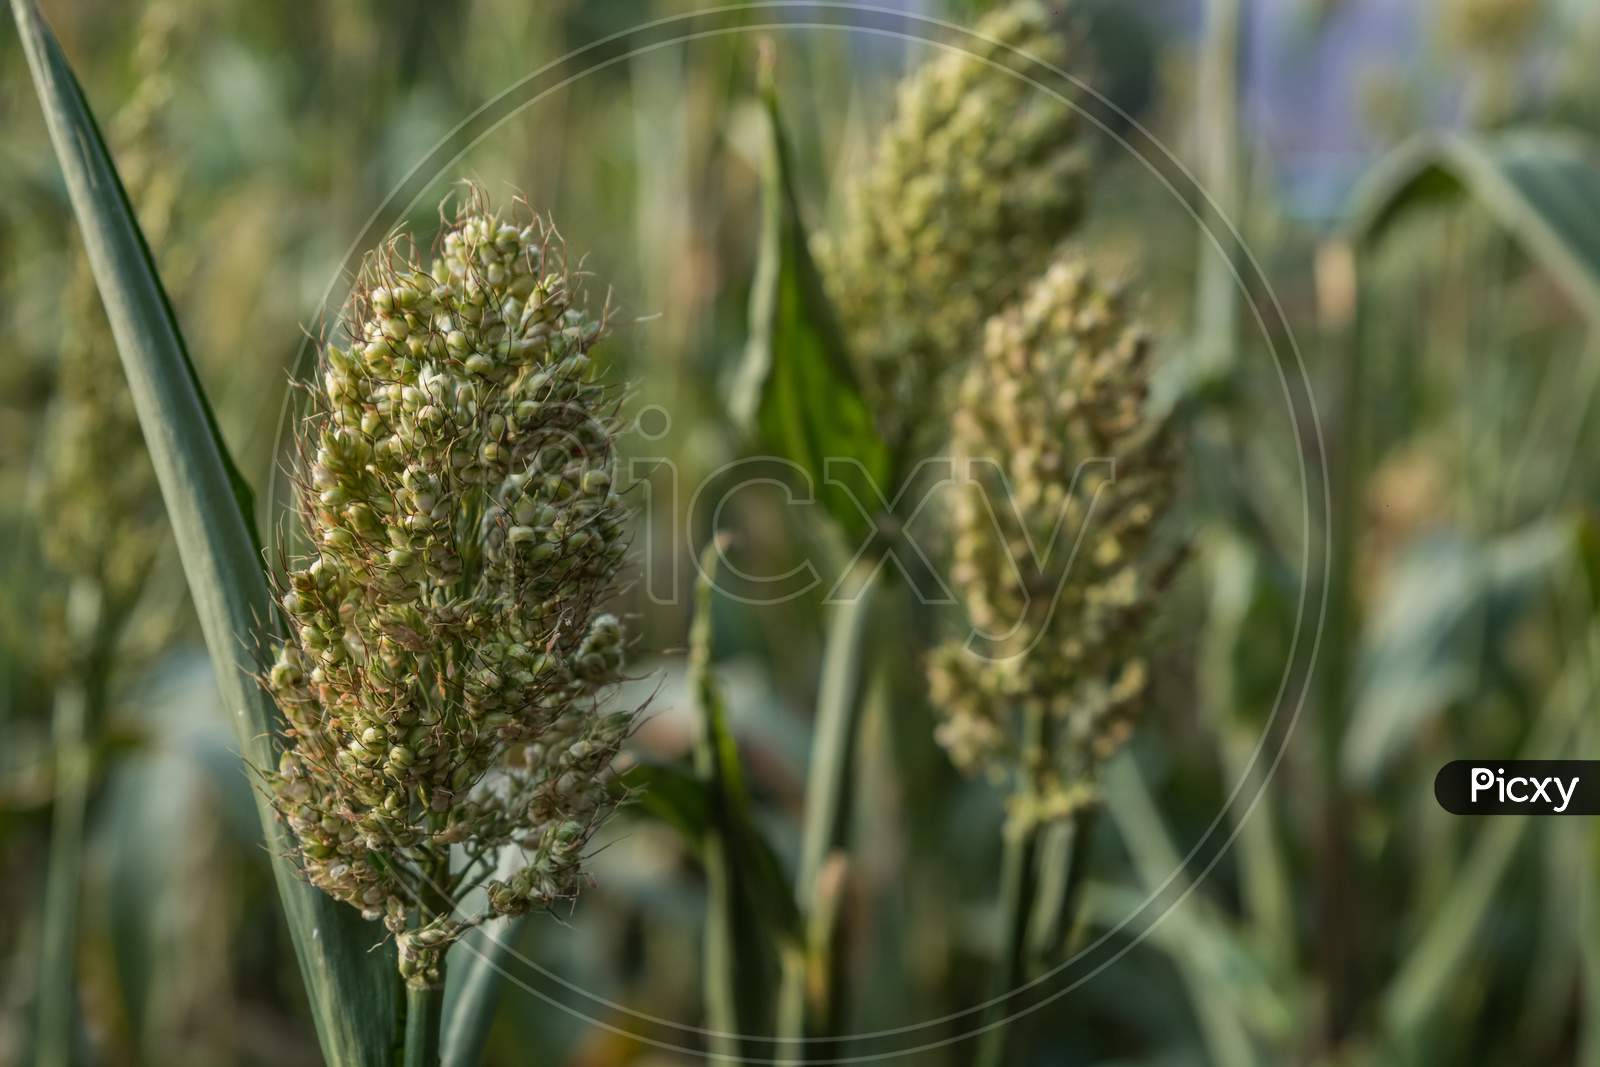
[797, 393]
[1544, 186]
[1448, 606]
[751, 917]
[352, 990]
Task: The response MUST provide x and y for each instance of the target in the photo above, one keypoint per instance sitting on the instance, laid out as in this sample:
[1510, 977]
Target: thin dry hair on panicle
[448, 660]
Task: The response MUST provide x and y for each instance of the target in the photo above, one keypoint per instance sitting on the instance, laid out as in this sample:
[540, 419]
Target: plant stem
[1336, 927]
[1157, 860]
[1217, 115]
[1018, 875]
[57, 971]
[839, 702]
[425, 1000]
[424, 1008]
[1063, 850]
[720, 968]
[78, 699]
[1016, 896]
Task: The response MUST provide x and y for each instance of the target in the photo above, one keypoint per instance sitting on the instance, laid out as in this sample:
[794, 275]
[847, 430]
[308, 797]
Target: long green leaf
[1543, 186]
[1449, 604]
[351, 989]
[751, 918]
[1427, 977]
[673, 794]
[472, 978]
[676, 794]
[472, 992]
[797, 393]
[809, 999]
[1219, 1005]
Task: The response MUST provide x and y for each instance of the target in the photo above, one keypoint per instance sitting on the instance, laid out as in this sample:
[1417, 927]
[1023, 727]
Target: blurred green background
[1452, 359]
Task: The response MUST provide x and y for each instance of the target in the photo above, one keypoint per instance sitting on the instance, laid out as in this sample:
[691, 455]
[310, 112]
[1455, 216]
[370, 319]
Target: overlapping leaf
[797, 393]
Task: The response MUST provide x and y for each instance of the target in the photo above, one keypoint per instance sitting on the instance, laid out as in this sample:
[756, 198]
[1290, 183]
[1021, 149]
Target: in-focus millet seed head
[976, 179]
[447, 656]
[1065, 466]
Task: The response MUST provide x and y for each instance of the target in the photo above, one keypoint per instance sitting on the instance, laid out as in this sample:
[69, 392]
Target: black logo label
[1519, 787]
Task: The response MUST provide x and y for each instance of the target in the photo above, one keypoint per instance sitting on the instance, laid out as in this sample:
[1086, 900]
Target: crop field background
[852, 302]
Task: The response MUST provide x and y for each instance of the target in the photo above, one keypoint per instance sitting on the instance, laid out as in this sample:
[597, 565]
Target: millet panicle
[444, 676]
[1055, 554]
[976, 179]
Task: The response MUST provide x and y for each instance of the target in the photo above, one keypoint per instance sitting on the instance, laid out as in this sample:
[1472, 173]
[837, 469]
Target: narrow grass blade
[751, 920]
[1155, 857]
[1544, 187]
[1063, 865]
[1427, 976]
[473, 980]
[56, 1017]
[1216, 325]
[353, 991]
[798, 393]
[807, 994]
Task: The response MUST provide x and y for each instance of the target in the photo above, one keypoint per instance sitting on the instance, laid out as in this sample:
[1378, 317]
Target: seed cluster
[441, 684]
[1066, 477]
[978, 176]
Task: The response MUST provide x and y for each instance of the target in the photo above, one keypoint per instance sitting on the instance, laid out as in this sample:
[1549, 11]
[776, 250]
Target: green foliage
[353, 1000]
[1543, 186]
[797, 392]
[1435, 635]
[751, 916]
[1332, 914]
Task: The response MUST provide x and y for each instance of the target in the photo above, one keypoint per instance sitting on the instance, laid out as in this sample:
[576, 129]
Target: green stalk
[1340, 633]
[58, 950]
[1156, 859]
[840, 700]
[1019, 873]
[425, 1002]
[78, 701]
[1217, 117]
[751, 922]
[1235, 573]
[424, 1008]
[1063, 851]
[726, 1010]
[839, 706]
[1016, 895]
[1221, 169]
